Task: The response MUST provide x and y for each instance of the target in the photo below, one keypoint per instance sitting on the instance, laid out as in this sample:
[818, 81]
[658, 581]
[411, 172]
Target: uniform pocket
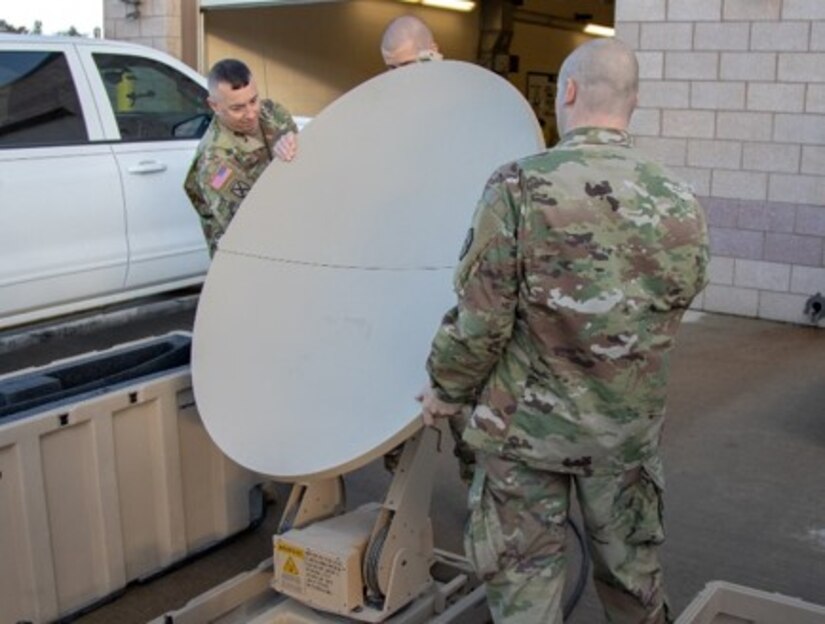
[483, 538]
[645, 501]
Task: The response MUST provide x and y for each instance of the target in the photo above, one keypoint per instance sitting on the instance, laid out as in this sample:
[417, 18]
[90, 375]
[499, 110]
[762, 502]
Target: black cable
[584, 571]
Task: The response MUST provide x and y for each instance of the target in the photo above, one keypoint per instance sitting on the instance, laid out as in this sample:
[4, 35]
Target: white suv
[95, 140]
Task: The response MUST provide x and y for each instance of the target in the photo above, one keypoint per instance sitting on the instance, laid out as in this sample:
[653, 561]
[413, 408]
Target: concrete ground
[744, 451]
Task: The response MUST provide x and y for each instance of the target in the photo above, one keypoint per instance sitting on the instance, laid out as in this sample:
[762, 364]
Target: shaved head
[405, 40]
[605, 78]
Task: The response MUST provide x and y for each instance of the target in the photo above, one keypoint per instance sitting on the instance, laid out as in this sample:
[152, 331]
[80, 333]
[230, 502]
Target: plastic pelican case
[726, 603]
[107, 475]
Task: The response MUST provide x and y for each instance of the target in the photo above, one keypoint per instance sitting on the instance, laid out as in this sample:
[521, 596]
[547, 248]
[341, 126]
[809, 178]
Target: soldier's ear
[571, 91]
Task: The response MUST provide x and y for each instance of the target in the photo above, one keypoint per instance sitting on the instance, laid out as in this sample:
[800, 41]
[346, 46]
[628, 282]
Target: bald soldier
[407, 40]
[579, 265]
[245, 135]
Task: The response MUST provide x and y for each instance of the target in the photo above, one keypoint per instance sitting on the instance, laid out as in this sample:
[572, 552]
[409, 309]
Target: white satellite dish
[320, 305]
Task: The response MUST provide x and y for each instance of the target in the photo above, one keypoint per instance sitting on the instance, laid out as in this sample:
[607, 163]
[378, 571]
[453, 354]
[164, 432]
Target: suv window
[152, 102]
[38, 101]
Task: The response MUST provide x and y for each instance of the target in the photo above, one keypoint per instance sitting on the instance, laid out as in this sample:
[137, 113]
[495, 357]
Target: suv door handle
[147, 166]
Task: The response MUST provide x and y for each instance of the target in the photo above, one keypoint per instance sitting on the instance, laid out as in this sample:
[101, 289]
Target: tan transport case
[107, 489]
[726, 603]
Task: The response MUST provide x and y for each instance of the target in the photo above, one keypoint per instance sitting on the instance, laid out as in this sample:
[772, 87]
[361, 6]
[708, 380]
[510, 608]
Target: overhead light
[454, 5]
[599, 31]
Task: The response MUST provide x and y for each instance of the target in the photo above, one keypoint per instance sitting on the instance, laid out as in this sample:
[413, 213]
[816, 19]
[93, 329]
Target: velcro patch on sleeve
[221, 177]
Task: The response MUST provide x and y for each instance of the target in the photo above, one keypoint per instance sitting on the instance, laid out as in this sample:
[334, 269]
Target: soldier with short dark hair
[246, 133]
[579, 265]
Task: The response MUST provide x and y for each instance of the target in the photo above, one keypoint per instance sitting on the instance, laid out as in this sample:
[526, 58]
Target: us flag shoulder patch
[221, 176]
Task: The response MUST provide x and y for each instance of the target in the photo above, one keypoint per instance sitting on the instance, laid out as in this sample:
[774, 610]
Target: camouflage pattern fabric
[578, 268]
[462, 451]
[515, 539]
[227, 164]
[574, 276]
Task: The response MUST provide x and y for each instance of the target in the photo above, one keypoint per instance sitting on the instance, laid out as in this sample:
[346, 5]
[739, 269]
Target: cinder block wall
[157, 24]
[732, 98]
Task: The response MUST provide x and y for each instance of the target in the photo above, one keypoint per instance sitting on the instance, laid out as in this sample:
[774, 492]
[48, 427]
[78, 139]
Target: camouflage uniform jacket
[573, 280]
[226, 165]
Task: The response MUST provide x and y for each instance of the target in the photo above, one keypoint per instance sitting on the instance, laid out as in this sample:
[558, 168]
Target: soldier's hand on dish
[287, 147]
[432, 407]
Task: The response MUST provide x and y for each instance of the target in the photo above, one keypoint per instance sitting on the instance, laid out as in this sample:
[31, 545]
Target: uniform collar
[596, 136]
[244, 142]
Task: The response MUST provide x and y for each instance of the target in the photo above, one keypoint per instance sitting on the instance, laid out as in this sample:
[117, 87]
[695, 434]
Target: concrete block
[691, 65]
[739, 184]
[780, 36]
[722, 36]
[744, 126]
[785, 307]
[629, 33]
[815, 99]
[694, 10]
[797, 189]
[751, 10]
[762, 275]
[126, 29]
[721, 154]
[664, 94]
[798, 67]
[818, 36]
[160, 8]
[114, 10]
[651, 65]
[640, 10]
[793, 249]
[720, 270]
[803, 10]
[805, 129]
[813, 160]
[170, 45]
[772, 157]
[646, 122]
[698, 303]
[810, 220]
[777, 97]
[721, 213]
[718, 95]
[159, 26]
[766, 216]
[667, 36]
[737, 243]
[663, 150]
[807, 280]
[731, 300]
[697, 179]
[748, 66]
[686, 123]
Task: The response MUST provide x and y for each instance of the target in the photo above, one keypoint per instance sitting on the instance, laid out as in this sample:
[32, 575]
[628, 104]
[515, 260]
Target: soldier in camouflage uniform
[246, 133]
[571, 285]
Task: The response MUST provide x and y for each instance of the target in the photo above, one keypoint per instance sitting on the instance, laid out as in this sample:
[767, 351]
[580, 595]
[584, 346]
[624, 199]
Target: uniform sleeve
[221, 186]
[283, 120]
[474, 333]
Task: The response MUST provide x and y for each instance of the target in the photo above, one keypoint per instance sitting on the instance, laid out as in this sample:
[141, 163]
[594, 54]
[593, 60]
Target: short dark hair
[233, 72]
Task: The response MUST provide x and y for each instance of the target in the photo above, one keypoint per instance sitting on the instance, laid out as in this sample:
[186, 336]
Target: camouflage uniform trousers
[515, 539]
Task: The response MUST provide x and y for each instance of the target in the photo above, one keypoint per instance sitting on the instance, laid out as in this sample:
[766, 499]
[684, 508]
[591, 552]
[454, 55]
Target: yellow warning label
[291, 568]
[289, 549]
